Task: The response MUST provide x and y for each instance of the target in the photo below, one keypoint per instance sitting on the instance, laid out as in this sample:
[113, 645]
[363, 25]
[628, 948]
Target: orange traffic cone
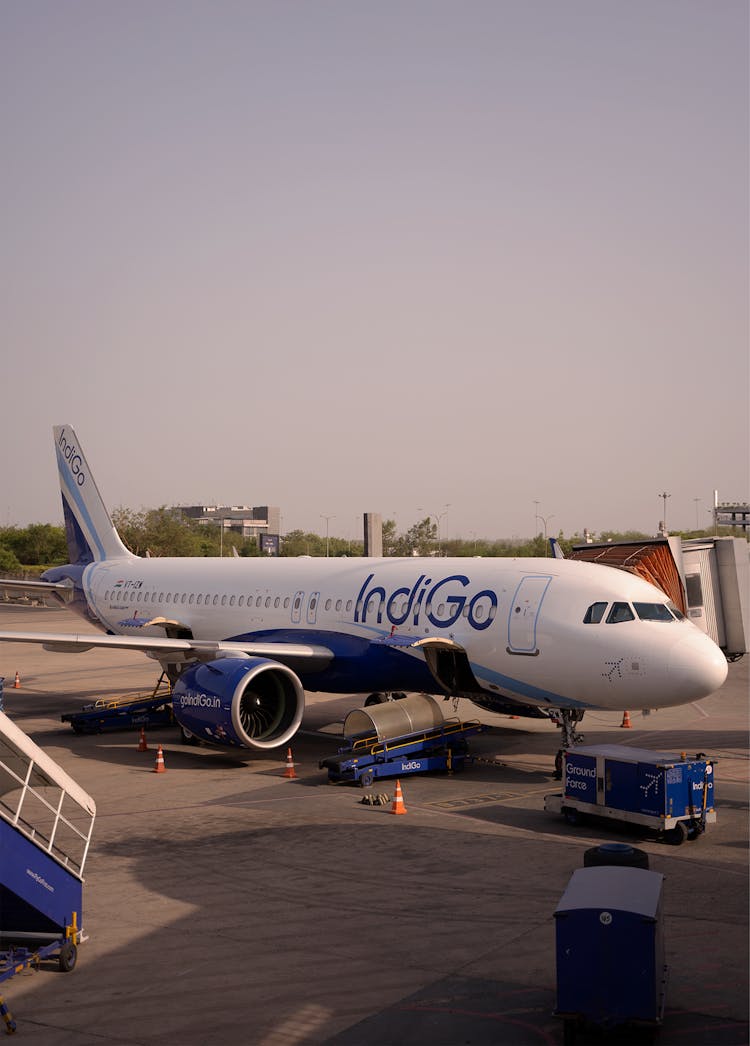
[142, 746]
[160, 768]
[625, 719]
[289, 772]
[398, 801]
[17, 684]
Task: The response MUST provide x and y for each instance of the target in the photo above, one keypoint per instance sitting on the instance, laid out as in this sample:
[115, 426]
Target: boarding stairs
[46, 823]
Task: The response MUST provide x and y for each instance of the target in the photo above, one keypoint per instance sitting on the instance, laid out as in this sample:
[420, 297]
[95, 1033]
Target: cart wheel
[677, 835]
[68, 957]
[693, 834]
[572, 816]
[366, 779]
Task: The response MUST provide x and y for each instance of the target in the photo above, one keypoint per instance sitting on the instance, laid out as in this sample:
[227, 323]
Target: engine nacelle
[239, 701]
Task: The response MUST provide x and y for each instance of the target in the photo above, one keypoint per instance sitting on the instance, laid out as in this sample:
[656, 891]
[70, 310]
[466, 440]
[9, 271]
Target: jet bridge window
[653, 612]
[594, 614]
[620, 612]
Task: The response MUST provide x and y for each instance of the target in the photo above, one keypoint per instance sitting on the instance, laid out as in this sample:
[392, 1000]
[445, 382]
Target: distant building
[730, 514]
[256, 522]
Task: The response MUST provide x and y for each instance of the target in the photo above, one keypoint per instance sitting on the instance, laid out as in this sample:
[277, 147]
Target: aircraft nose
[698, 667]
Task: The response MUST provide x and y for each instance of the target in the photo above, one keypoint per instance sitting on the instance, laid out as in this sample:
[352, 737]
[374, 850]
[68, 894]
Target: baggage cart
[609, 939]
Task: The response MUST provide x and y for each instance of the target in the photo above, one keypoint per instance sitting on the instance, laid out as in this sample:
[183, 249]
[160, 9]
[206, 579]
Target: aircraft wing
[314, 657]
[61, 590]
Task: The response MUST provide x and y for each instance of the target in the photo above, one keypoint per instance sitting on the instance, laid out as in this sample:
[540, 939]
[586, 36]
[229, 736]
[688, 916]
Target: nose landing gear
[566, 719]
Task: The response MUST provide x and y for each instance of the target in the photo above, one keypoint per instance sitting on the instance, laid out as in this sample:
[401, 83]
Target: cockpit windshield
[624, 612]
[654, 611]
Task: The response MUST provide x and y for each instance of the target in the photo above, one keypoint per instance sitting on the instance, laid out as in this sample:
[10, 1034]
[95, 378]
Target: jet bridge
[707, 578]
[46, 822]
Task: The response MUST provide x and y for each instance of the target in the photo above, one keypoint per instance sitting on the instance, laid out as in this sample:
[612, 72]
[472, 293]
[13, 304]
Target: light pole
[327, 519]
[544, 521]
[664, 497]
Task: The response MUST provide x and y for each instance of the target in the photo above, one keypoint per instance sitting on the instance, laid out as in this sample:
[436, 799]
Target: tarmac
[228, 904]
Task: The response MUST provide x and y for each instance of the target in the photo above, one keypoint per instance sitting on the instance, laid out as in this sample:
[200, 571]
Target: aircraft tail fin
[557, 551]
[89, 530]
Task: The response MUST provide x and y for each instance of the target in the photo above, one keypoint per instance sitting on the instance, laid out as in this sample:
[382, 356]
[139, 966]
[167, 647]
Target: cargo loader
[399, 737]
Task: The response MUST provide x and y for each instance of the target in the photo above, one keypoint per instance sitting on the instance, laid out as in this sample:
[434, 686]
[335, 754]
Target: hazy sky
[388, 256]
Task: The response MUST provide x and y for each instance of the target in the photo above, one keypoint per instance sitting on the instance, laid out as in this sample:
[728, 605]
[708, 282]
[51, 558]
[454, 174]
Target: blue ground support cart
[46, 822]
[663, 791]
[399, 737]
[610, 950]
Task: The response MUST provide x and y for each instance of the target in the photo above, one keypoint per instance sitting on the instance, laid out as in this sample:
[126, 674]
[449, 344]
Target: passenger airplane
[243, 639]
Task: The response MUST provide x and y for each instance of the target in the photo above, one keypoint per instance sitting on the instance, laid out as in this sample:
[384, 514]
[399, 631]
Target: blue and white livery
[243, 639]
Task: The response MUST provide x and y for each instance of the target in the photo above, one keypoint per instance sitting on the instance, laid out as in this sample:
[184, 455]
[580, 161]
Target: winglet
[557, 552]
[89, 530]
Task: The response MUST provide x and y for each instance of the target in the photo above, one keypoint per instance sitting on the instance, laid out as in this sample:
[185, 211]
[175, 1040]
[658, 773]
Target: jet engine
[239, 701]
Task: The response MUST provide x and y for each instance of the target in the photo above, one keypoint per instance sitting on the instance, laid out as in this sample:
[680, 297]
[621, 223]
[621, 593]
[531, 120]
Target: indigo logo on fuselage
[423, 599]
[75, 462]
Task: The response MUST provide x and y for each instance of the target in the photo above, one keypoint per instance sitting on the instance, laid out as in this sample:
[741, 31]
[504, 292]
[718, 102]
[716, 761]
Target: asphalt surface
[227, 904]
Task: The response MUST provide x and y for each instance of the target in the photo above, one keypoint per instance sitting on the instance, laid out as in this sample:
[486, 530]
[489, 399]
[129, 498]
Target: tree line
[159, 532]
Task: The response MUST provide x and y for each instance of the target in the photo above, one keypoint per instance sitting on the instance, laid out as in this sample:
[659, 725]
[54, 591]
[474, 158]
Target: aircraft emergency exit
[243, 639]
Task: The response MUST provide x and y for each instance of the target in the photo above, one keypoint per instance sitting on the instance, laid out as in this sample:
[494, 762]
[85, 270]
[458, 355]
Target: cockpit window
[620, 612]
[653, 611]
[676, 611]
[594, 614]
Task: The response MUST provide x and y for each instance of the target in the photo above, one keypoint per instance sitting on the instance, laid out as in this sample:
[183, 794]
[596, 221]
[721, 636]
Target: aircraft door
[524, 614]
[312, 607]
[299, 598]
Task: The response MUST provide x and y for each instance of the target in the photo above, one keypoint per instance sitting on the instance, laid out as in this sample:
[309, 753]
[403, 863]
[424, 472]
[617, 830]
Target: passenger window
[653, 612]
[348, 605]
[183, 597]
[216, 599]
[223, 601]
[286, 603]
[328, 604]
[268, 602]
[338, 604]
[231, 601]
[161, 597]
[192, 598]
[258, 601]
[199, 600]
[276, 602]
[620, 612]
[241, 601]
[594, 614]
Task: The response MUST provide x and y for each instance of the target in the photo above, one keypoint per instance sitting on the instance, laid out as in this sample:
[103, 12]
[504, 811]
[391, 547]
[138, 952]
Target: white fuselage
[521, 622]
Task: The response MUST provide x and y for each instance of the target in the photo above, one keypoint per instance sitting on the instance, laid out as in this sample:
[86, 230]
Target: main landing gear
[566, 719]
[381, 697]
